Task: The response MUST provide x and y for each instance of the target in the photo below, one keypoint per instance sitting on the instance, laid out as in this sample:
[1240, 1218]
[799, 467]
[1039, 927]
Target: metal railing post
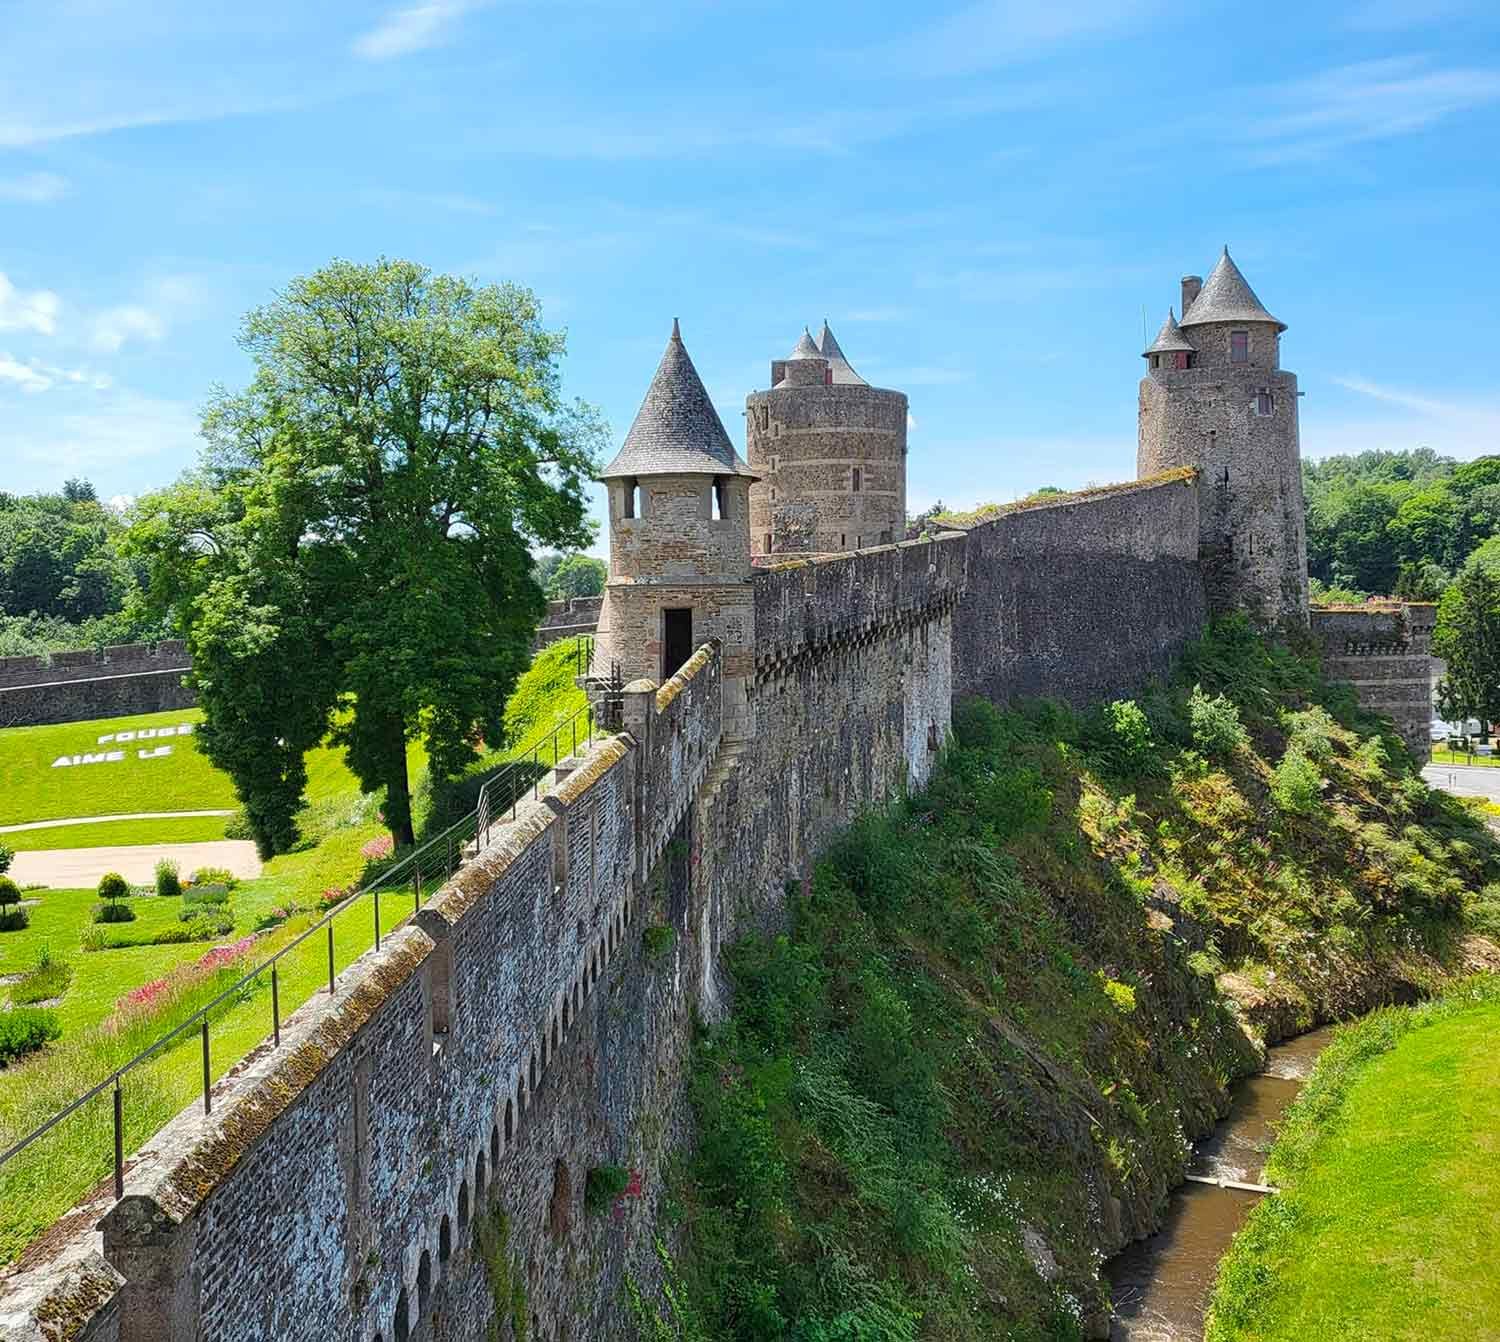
[119, 1142]
[376, 893]
[330, 957]
[207, 1103]
[417, 884]
[275, 1007]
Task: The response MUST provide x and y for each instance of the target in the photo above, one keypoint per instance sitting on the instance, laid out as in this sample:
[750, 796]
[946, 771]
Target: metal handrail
[412, 862]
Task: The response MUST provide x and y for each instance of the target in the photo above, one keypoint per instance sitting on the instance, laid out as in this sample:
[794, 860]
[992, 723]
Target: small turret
[1170, 349]
[679, 540]
[805, 366]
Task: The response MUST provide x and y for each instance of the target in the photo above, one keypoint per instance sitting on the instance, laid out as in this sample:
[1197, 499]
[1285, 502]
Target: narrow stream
[1162, 1283]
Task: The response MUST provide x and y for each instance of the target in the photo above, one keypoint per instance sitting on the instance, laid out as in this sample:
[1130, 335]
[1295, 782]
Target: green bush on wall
[23, 1030]
[168, 883]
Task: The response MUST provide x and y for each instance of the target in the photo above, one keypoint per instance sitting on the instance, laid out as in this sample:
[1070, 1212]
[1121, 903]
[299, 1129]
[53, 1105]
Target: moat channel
[1162, 1283]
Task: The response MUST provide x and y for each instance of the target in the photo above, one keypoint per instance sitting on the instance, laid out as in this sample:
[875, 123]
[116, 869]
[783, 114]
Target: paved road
[1464, 780]
[99, 819]
[79, 868]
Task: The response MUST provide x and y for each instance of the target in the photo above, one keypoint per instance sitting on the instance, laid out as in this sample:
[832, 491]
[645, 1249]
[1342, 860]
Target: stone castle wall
[1383, 651]
[1087, 597]
[524, 1027]
[123, 680]
[565, 619]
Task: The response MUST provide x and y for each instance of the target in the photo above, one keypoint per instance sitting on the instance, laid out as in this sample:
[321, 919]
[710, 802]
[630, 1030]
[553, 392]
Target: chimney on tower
[1190, 286]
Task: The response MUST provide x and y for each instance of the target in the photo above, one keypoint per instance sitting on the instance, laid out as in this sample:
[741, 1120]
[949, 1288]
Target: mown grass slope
[1387, 1227]
[973, 1068]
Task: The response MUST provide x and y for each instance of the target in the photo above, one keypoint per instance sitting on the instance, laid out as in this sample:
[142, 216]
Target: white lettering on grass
[148, 733]
[108, 757]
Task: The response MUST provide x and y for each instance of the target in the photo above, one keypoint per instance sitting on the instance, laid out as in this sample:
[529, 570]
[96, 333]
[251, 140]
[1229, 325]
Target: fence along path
[425, 868]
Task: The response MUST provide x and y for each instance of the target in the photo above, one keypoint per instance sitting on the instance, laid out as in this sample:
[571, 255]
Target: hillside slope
[973, 1068]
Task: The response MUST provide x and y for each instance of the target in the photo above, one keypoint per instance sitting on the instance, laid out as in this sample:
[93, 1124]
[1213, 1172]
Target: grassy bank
[1388, 1224]
[109, 833]
[972, 1068]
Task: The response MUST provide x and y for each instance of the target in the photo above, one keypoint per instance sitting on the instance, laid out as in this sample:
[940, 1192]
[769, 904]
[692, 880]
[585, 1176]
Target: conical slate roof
[1227, 297]
[805, 349]
[838, 365]
[1169, 339]
[677, 431]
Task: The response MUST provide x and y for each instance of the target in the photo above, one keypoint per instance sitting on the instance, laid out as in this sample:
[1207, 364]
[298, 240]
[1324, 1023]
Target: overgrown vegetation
[23, 1030]
[973, 1067]
[46, 980]
[1396, 1129]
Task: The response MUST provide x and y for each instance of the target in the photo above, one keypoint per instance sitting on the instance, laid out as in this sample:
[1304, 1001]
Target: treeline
[64, 582]
[1398, 523]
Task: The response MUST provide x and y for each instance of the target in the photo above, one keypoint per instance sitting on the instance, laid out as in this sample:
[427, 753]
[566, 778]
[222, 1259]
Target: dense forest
[1399, 523]
[64, 582]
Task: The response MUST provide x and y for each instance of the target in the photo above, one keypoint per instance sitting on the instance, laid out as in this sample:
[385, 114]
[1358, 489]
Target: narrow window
[445, 1240]
[765, 418]
[1239, 347]
[773, 494]
[424, 1282]
[479, 1180]
[628, 503]
[677, 639]
[843, 541]
[1181, 358]
[856, 479]
[463, 1206]
[401, 1325]
[495, 1145]
[1265, 402]
[720, 502]
[768, 542]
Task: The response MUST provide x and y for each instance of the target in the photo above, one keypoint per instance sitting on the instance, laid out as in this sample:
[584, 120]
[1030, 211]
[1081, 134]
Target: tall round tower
[1216, 397]
[830, 453]
[679, 540]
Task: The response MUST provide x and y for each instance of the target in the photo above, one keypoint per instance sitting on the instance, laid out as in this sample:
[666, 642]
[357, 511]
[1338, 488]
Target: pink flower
[381, 846]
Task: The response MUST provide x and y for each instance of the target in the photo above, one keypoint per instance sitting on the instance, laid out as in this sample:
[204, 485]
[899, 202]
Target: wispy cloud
[994, 33]
[34, 188]
[1459, 426]
[22, 310]
[163, 300]
[1374, 100]
[103, 434]
[417, 28]
[35, 376]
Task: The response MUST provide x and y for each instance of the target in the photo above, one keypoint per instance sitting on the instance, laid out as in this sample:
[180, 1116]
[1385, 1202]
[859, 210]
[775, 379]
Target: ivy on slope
[973, 1067]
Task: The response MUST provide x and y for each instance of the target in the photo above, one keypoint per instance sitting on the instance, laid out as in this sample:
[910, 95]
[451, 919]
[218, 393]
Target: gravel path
[99, 819]
[79, 868]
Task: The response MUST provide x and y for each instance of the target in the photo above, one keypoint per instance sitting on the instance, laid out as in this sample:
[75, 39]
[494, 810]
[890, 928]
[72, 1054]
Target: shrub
[1122, 738]
[1215, 721]
[210, 924]
[93, 939]
[603, 1185]
[657, 940]
[214, 876]
[112, 886]
[168, 885]
[113, 913]
[172, 936]
[1121, 995]
[238, 826]
[25, 1030]
[381, 846]
[205, 894]
[12, 916]
[7, 856]
[47, 979]
[1296, 784]
[1310, 731]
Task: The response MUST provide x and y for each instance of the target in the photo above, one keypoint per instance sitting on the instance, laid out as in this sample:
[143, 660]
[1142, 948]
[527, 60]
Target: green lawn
[109, 833]
[1388, 1226]
[1440, 756]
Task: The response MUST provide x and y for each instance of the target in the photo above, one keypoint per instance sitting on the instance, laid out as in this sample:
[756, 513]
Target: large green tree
[354, 555]
[1467, 637]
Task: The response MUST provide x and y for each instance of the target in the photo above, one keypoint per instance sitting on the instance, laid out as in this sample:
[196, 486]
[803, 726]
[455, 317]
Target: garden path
[99, 819]
[79, 868]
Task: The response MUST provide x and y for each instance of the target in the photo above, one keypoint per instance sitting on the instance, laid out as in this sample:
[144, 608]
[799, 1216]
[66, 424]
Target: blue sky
[981, 197]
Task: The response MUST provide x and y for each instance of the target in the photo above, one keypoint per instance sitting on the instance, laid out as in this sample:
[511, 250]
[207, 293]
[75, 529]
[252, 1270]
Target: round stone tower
[679, 541]
[830, 453]
[1216, 397]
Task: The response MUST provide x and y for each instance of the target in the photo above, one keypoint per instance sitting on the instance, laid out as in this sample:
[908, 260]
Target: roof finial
[676, 334]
